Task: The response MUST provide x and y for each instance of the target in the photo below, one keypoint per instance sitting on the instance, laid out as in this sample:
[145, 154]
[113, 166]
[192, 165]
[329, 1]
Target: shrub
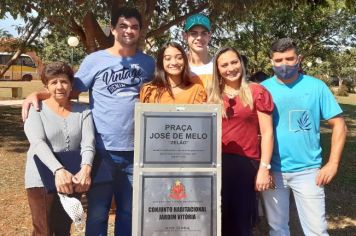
[350, 84]
[342, 91]
[327, 80]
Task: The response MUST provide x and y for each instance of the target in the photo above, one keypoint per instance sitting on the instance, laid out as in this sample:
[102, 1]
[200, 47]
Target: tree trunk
[31, 35]
[146, 9]
[341, 82]
[10, 62]
[255, 47]
[93, 37]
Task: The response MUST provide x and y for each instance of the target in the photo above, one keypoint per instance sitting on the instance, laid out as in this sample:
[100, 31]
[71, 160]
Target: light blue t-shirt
[299, 107]
[114, 84]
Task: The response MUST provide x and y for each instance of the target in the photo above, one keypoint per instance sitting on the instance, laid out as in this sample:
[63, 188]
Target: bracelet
[86, 164]
[54, 173]
[267, 166]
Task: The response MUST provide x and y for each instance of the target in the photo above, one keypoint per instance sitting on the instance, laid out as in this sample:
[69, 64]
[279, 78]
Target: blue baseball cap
[197, 19]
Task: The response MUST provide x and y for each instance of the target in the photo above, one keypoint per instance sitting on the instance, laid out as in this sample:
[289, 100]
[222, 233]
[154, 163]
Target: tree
[4, 33]
[82, 17]
[315, 28]
[30, 32]
[55, 48]
[85, 18]
[341, 65]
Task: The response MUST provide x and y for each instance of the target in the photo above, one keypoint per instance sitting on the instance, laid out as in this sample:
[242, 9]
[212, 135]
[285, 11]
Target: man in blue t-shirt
[113, 78]
[301, 101]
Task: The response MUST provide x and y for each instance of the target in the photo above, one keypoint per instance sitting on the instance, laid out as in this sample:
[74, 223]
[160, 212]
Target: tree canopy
[320, 27]
[317, 30]
[85, 18]
[4, 33]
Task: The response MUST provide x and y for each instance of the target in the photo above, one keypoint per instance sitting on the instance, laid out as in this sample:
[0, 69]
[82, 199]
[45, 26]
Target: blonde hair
[217, 88]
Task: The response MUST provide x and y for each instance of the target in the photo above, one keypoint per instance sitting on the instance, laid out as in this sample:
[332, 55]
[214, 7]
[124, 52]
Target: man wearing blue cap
[197, 33]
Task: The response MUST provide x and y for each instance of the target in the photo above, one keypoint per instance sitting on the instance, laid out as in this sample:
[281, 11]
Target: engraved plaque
[177, 170]
[178, 138]
[181, 204]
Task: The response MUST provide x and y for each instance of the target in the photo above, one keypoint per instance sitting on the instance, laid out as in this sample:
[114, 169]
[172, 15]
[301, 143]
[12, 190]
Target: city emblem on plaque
[178, 191]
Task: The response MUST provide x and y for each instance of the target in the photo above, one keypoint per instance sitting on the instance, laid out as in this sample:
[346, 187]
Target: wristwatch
[267, 166]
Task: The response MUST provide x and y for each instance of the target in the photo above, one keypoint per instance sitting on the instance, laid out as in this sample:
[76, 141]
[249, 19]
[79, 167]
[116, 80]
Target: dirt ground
[15, 218]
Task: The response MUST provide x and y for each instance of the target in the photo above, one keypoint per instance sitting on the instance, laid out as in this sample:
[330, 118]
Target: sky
[8, 23]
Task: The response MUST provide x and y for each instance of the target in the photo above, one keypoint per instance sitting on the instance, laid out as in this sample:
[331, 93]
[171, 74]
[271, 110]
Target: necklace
[232, 94]
[177, 85]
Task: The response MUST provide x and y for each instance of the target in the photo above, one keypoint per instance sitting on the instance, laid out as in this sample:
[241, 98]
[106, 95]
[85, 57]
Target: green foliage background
[323, 29]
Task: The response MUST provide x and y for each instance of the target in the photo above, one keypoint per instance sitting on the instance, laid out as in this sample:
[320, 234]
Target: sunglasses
[230, 108]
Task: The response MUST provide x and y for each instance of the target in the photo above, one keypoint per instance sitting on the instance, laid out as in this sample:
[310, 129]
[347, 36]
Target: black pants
[239, 205]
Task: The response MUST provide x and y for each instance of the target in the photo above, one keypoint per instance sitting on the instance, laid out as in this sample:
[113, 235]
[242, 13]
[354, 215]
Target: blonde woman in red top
[171, 79]
[247, 140]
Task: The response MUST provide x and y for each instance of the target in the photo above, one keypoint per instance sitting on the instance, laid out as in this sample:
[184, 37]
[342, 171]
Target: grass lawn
[341, 193]
[16, 220]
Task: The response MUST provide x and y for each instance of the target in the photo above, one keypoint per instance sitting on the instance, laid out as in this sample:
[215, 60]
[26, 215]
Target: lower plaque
[178, 204]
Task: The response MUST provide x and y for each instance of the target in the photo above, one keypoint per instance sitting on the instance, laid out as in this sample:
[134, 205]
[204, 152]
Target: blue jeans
[101, 194]
[309, 199]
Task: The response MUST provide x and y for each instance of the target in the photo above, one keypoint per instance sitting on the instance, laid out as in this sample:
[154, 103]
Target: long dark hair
[160, 80]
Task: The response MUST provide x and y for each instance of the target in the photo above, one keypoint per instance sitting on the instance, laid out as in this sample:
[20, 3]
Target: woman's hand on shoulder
[63, 181]
[82, 179]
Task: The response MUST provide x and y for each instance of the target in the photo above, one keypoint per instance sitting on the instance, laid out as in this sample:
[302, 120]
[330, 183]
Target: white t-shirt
[202, 74]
